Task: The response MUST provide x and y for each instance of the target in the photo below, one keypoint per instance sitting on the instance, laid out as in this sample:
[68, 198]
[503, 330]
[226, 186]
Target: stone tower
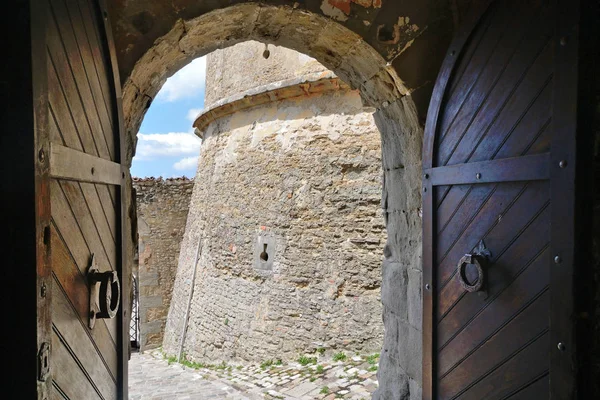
[284, 240]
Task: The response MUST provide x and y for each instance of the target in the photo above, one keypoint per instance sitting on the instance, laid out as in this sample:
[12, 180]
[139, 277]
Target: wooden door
[87, 358]
[498, 210]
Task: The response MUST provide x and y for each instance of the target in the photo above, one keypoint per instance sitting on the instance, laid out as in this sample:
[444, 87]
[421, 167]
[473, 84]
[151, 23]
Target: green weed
[303, 360]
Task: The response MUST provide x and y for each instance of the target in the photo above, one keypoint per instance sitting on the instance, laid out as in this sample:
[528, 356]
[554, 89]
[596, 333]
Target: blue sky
[167, 146]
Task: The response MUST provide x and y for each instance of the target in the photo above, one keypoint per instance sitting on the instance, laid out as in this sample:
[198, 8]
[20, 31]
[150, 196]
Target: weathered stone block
[415, 298]
[394, 289]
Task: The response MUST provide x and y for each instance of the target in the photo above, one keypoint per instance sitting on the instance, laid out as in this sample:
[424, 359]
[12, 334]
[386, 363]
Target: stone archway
[363, 68]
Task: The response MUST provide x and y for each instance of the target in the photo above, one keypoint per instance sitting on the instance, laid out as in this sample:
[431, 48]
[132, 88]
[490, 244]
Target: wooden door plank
[68, 228]
[71, 140]
[465, 65]
[71, 164]
[55, 136]
[105, 226]
[68, 325]
[524, 290]
[527, 325]
[528, 365]
[75, 285]
[453, 106]
[104, 109]
[524, 127]
[100, 57]
[124, 197]
[104, 140]
[539, 144]
[519, 80]
[509, 251]
[61, 78]
[531, 137]
[66, 223]
[541, 385]
[458, 219]
[506, 35]
[108, 205]
[71, 379]
[57, 394]
[88, 220]
[447, 206]
[469, 236]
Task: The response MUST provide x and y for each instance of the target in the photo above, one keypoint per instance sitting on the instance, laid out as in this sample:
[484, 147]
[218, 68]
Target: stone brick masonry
[287, 221]
[162, 207]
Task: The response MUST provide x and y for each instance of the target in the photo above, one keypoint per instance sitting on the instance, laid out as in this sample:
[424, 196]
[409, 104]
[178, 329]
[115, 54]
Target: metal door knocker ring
[462, 273]
[105, 293]
[478, 259]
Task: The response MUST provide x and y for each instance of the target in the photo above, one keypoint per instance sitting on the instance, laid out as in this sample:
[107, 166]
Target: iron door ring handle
[461, 272]
[109, 294]
[105, 293]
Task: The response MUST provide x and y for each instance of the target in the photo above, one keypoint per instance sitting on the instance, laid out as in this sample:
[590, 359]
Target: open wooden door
[88, 340]
[499, 207]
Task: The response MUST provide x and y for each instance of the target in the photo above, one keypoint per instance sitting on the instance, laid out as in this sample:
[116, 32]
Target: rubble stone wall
[287, 223]
[162, 208]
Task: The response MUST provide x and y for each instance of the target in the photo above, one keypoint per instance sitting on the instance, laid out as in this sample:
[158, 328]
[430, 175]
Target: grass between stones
[315, 369]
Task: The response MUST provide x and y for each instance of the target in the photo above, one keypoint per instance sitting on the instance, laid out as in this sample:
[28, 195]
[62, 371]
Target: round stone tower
[284, 239]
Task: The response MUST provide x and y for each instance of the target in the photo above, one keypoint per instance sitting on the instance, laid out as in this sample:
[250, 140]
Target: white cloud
[193, 113]
[186, 164]
[154, 145]
[187, 82]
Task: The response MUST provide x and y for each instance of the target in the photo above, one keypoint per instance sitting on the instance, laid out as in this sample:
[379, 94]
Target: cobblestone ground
[152, 377]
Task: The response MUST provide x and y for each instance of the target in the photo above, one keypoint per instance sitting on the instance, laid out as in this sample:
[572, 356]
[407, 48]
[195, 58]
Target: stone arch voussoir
[336, 47]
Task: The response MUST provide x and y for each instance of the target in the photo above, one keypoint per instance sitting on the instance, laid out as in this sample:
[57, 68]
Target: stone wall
[242, 67]
[162, 208]
[287, 221]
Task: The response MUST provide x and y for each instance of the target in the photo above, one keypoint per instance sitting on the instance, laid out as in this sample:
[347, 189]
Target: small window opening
[264, 255]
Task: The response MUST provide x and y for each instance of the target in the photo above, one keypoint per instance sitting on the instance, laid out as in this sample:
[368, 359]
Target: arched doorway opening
[359, 65]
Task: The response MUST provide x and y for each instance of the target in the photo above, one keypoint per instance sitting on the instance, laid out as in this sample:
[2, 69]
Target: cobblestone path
[152, 378]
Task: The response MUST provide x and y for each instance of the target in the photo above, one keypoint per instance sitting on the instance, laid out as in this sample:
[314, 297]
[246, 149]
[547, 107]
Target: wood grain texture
[68, 374]
[124, 198]
[487, 160]
[510, 26]
[85, 202]
[70, 164]
[73, 331]
[527, 365]
[73, 283]
[519, 234]
[96, 118]
[68, 227]
[526, 326]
